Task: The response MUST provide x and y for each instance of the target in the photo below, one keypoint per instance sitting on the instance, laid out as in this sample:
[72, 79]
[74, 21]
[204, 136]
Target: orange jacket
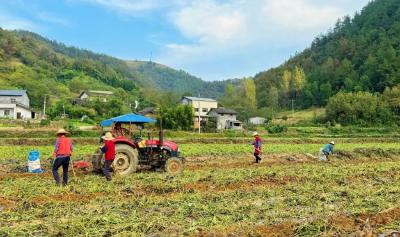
[63, 147]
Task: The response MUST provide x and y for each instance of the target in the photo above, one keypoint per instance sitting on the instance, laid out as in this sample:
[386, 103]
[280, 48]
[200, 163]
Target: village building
[257, 120]
[201, 107]
[148, 112]
[225, 118]
[15, 104]
[91, 95]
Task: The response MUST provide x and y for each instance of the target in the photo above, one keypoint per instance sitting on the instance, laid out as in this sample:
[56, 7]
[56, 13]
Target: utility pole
[63, 111]
[292, 107]
[44, 107]
[199, 115]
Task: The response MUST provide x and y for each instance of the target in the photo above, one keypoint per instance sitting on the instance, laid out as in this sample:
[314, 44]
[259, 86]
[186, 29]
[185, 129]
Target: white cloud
[235, 28]
[45, 16]
[300, 15]
[130, 7]
[14, 23]
[209, 22]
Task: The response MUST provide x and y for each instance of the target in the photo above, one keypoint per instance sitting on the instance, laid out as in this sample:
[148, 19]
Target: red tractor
[130, 153]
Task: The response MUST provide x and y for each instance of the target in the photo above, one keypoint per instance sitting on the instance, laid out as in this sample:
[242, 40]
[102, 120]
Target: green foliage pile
[358, 54]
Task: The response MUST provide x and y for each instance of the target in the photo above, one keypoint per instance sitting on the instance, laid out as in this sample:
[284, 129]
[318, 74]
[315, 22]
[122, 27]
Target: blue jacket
[328, 148]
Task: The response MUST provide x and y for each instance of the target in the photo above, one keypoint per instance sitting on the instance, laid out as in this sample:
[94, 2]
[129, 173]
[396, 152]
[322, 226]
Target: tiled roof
[12, 92]
[199, 99]
[222, 110]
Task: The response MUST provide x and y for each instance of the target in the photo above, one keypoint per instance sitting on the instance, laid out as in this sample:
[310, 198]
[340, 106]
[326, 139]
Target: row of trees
[365, 108]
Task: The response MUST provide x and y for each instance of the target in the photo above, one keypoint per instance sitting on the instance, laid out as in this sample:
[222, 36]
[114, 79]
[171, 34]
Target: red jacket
[257, 145]
[109, 150]
[63, 147]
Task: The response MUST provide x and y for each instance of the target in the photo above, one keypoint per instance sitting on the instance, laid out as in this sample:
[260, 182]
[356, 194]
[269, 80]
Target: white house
[14, 104]
[93, 95]
[201, 107]
[226, 118]
[257, 120]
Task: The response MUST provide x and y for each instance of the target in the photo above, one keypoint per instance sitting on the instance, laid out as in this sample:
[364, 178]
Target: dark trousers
[107, 169]
[257, 156]
[64, 162]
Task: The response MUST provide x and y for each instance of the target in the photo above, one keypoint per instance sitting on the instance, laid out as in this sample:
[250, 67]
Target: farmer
[119, 131]
[62, 153]
[326, 151]
[257, 147]
[109, 154]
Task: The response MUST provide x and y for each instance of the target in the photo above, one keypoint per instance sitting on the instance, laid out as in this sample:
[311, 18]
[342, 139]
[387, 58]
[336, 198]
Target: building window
[13, 101]
[196, 109]
[7, 112]
[205, 110]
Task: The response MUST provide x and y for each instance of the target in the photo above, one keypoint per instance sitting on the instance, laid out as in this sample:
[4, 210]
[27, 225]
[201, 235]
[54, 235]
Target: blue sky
[211, 39]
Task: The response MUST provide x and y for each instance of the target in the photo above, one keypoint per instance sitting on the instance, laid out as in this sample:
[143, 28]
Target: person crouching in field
[109, 154]
[257, 147]
[62, 154]
[326, 151]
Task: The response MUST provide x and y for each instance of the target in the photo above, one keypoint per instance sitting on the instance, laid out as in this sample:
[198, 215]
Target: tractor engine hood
[171, 145]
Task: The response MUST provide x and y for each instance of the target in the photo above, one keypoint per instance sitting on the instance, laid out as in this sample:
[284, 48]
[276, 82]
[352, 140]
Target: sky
[211, 39]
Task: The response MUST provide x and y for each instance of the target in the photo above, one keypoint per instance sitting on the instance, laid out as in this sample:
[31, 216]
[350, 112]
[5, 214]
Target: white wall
[257, 120]
[18, 99]
[14, 111]
[10, 108]
[25, 113]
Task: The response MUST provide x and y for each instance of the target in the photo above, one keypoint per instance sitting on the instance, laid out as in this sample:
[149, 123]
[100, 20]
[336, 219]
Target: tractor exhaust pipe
[161, 133]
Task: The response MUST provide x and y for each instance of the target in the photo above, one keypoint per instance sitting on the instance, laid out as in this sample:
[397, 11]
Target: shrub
[276, 128]
[44, 122]
[361, 108]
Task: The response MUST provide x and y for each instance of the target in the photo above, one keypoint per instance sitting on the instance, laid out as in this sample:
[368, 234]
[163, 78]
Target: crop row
[150, 204]
[187, 150]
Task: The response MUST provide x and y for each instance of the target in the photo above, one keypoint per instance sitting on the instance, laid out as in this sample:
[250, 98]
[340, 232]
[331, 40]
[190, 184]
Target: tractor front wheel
[174, 166]
[126, 159]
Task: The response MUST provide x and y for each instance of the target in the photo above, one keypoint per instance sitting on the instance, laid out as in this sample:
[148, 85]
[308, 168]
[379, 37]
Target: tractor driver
[119, 131]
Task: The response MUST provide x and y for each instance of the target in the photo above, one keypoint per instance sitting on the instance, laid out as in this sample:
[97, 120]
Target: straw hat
[255, 134]
[61, 131]
[108, 136]
[332, 142]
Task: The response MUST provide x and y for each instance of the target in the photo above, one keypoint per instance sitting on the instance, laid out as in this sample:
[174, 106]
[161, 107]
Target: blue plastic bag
[34, 162]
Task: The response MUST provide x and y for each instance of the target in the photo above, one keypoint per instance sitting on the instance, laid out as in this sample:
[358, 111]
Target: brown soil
[6, 204]
[363, 224]
[262, 181]
[65, 197]
[16, 175]
[284, 229]
[198, 163]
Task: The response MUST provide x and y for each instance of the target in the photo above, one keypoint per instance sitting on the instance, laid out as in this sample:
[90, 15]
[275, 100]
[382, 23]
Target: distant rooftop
[100, 92]
[222, 110]
[12, 92]
[199, 99]
[97, 93]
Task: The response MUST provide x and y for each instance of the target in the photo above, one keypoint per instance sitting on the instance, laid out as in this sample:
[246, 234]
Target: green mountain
[359, 54]
[52, 69]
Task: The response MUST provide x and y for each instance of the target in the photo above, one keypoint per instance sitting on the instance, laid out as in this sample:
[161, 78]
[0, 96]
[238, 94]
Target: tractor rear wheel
[126, 159]
[174, 166]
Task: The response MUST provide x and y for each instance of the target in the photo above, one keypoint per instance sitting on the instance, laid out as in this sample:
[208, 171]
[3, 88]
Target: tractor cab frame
[130, 153]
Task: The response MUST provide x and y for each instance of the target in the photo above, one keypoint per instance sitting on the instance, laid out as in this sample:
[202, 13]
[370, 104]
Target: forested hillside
[50, 69]
[358, 54]
[145, 74]
[32, 64]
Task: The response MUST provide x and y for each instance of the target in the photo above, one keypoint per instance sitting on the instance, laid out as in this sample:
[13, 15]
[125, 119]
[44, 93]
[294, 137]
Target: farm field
[221, 192]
